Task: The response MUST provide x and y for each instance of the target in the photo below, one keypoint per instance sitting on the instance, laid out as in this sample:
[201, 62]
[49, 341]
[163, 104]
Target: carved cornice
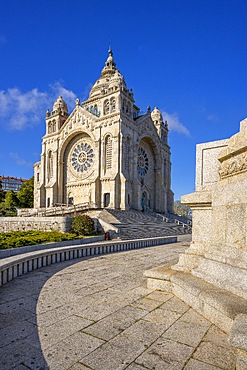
[78, 185]
[233, 165]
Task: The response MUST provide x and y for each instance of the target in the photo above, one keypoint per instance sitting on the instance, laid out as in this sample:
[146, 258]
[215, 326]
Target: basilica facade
[105, 153]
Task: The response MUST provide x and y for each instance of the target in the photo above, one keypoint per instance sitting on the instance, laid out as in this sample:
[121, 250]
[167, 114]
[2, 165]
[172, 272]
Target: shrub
[17, 239]
[82, 225]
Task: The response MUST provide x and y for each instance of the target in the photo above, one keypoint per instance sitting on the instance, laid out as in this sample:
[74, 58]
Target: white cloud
[212, 117]
[68, 95]
[174, 123]
[19, 110]
[85, 93]
[20, 161]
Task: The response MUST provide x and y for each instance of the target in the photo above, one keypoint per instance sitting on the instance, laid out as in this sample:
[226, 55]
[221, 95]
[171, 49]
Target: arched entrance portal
[146, 185]
[144, 201]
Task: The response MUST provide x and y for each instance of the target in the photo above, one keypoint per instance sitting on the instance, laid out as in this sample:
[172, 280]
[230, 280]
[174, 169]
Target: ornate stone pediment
[233, 159]
[79, 118]
[147, 128]
[234, 164]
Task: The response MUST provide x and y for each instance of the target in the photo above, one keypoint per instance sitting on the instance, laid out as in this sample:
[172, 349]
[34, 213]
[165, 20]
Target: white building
[105, 153]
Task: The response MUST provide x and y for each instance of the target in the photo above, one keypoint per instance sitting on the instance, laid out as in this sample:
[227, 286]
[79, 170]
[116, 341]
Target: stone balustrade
[15, 266]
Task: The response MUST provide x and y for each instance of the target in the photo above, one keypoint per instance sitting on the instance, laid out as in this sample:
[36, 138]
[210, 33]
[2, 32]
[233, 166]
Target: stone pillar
[216, 261]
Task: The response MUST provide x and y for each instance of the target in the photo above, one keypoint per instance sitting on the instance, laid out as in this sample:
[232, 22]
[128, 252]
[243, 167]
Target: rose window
[82, 157]
[142, 162]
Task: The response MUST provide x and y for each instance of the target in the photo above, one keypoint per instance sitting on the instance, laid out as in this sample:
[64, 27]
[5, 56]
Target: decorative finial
[149, 108]
[77, 102]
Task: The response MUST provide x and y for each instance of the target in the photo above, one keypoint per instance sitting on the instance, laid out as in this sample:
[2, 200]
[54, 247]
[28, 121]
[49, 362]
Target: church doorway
[144, 201]
[106, 199]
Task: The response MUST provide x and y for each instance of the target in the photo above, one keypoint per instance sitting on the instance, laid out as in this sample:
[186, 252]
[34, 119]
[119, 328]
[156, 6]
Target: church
[106, 153]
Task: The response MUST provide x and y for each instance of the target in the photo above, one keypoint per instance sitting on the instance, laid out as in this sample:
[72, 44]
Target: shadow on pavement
[20, 347]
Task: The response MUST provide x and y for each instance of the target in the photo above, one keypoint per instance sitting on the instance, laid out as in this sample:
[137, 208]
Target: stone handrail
[18, 265]
[56, 210]
[178, 222]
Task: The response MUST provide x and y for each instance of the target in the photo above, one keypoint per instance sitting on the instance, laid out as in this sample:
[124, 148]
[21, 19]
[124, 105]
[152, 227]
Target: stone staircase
[134, 225]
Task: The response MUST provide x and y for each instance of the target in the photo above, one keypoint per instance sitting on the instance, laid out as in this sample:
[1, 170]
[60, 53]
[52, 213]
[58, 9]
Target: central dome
[110, 78]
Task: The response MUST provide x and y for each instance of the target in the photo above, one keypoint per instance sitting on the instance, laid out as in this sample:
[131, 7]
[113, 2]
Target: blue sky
[188, 58]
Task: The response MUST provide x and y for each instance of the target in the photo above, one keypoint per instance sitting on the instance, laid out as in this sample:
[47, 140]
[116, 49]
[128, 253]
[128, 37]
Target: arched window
[127, 155]
[49, 127]
[124, 105]
[50, 165]
[108, 152]
[53, 126]
[113, 104]
[106, 107]
[164, 136]
[165, 171]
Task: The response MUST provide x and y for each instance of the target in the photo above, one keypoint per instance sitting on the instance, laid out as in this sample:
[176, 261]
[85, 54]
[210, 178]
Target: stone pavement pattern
[98, 314]
[137, 225]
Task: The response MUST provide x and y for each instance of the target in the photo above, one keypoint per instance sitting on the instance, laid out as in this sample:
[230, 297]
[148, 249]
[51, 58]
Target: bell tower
[57, 117]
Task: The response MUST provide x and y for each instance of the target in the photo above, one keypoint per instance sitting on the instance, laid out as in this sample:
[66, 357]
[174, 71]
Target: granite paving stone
[59, 313]
[97, 313]
[216, 336]
[158, 295]
[162, 317]
[193, 316]
[21, 330]
[22, 354]
[15, 306]
[11, 318]
[165, 354]
[174, 304]
[68, 351]
[115, 323]
[146, 304]
[52, 334]
[216, 355]
[94, 312]
[198, 365]
[135, 366]
[78, 366]
[123, 349]
[187, 333]
[21, 367]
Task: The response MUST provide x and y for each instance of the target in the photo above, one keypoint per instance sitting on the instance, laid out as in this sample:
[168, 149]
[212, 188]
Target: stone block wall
[62, 224]
[218, 250]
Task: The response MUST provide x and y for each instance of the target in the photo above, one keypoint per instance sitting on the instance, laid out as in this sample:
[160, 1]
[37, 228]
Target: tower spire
[110, 65]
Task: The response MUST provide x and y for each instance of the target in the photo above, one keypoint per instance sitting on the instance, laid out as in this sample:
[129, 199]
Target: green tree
[11, 200]
[25, 194]
[2, 193]
[181, 209]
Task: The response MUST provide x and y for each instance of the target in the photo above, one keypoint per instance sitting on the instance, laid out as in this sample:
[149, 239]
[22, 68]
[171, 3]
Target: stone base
[223, 308]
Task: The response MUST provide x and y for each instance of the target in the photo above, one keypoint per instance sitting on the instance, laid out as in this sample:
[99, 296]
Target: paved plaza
[97, 313]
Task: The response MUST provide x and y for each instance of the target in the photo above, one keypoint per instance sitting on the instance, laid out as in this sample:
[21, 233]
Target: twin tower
[105, 153]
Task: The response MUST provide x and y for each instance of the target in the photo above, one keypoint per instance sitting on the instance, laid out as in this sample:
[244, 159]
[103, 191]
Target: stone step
[133, 224]
[218, 305]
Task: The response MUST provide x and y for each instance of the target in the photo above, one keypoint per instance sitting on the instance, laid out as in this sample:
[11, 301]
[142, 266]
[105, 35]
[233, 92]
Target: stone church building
[105, 153]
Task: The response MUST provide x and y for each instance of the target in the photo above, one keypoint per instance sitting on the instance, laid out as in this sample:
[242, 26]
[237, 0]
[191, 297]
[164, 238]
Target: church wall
[100, 154]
